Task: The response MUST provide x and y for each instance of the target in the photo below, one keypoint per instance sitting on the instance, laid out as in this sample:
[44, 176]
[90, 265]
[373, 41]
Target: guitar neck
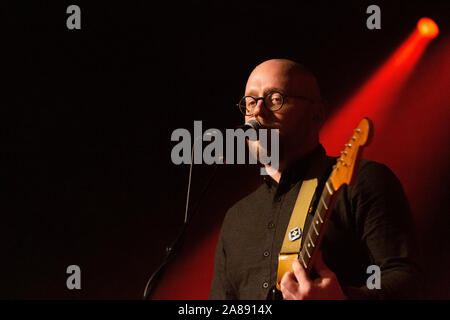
[318, 226]
[344, 173]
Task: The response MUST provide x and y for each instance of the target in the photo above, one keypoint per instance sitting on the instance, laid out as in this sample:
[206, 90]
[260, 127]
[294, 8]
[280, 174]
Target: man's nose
[260, 109]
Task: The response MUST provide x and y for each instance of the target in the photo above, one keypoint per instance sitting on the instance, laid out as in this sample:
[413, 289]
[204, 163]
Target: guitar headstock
[343, 171]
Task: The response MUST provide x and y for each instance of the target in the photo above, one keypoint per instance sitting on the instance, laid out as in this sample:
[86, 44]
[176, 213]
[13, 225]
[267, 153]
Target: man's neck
[276, 175]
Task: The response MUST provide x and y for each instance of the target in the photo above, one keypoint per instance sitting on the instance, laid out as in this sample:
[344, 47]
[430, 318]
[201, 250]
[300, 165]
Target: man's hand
[298, 286]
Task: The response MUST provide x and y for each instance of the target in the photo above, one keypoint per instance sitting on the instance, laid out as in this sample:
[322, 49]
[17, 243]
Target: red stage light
[427, 28]
[375, 98]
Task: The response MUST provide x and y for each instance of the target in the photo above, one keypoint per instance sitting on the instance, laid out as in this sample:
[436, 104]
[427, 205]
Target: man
[370, 224]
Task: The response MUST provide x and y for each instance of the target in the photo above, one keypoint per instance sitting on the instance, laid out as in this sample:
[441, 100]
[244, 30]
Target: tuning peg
[348, 145]
[344, 153]
[343, 162]
[353, 138]
[357, 130]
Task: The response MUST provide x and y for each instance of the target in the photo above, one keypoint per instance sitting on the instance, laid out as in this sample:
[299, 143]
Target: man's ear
[319, 113]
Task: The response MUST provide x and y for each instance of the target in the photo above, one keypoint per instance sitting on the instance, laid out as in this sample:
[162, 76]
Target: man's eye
[276, 100]
[275, 96]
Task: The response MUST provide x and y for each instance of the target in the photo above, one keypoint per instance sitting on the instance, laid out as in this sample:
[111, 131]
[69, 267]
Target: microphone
[251, 124]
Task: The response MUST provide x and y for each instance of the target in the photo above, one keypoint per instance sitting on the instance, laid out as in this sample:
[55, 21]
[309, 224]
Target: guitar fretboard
[317, 227]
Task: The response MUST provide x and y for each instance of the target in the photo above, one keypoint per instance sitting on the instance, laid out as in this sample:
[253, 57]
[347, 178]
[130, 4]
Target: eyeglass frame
[283, 96]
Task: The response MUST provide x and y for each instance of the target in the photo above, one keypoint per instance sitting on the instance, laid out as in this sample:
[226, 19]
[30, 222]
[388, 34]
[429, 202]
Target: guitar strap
[294, 232]
[304, 204]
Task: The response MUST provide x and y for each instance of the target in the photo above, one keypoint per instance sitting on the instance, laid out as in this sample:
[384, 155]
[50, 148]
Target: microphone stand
[173, 249]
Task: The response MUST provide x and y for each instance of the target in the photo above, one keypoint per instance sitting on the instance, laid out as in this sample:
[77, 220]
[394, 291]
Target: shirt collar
[296, 171]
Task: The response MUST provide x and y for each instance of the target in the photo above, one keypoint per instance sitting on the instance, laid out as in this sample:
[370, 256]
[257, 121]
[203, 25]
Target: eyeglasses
[273, 101]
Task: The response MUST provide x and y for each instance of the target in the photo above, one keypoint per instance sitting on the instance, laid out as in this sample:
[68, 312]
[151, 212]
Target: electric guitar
[344, 172]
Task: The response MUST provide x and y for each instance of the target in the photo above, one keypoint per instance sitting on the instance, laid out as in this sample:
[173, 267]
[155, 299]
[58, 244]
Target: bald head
[294, 78]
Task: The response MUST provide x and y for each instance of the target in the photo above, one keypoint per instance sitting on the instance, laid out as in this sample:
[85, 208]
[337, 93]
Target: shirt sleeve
[383, 218]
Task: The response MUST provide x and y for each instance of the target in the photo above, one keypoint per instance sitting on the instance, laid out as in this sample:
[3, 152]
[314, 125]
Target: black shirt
[370, 225]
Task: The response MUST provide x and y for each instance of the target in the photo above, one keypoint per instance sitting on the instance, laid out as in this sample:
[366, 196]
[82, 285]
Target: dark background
[87, 117]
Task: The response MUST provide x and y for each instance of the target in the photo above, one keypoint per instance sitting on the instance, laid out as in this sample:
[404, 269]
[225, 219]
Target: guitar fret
[315, 230]
[320, 218]
[324, 204]
[304, 263]
[328, 188]
[310, 240]
[306, 249]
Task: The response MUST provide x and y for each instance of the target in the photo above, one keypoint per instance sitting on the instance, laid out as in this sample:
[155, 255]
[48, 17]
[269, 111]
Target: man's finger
[301, 275]
[289, 281]
[288, 286]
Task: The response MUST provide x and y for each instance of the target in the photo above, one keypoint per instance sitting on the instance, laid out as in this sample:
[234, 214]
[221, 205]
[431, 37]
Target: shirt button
[266, 253]
[265, 285]
[271, 225]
